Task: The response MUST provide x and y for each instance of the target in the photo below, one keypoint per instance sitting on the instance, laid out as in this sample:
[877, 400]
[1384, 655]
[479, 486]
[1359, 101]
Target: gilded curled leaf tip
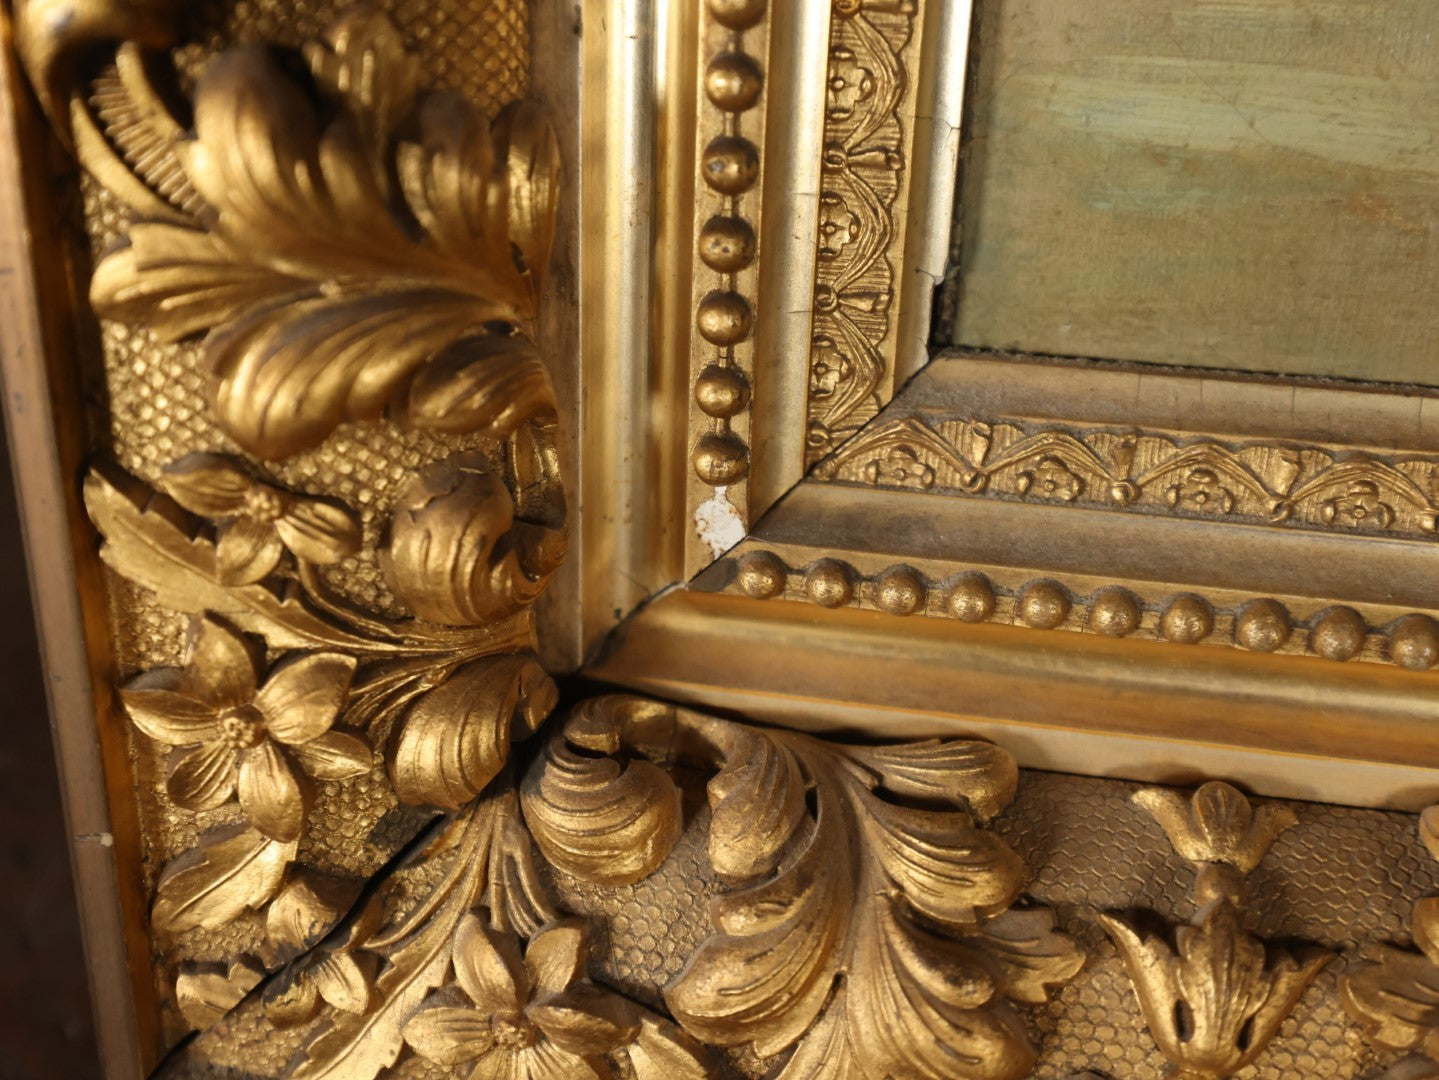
[1394, 996]
[458, 553]
[857, 889]
[1429, 830]
[328, 292]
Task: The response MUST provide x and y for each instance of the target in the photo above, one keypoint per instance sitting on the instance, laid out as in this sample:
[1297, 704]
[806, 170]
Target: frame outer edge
[620, 558]
[101, 822]
[1138, 710]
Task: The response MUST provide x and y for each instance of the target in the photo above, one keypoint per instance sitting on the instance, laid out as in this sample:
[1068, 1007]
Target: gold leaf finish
[532, 1018]
[850, 890]
[458, 553]
[229, 873]
[1395, 996]
[1218, 825]
[485, 861]
[590, 816]
[1215, 998]
[1293, 484]
[300, 260]
[455, 737]
[862, 219]
[351, 246]
[339, 245]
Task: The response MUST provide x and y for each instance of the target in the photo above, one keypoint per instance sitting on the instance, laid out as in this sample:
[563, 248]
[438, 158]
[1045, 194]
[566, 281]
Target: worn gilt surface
[1215, 998]
[868, 139]
[337, 257]
[328, 493]
[1152, 472]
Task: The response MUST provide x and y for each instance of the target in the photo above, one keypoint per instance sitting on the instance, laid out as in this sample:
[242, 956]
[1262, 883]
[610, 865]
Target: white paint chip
[718, 523]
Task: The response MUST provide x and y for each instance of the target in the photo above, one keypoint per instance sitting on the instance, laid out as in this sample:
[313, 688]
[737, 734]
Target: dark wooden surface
[45, 1026]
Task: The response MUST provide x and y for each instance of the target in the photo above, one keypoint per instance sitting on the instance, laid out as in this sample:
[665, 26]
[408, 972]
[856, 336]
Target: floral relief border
[860, 217]
[1151, 472]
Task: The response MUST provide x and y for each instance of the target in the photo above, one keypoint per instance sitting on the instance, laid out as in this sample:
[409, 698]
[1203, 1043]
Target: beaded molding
[1261, 624]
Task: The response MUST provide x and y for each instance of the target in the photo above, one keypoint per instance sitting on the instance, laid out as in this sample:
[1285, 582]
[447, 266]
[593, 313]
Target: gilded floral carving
[895, 899]
[320, 303]
[1394, 995]
[234, 736]
[1215, 997]
[532, 1016]
[1152, 472]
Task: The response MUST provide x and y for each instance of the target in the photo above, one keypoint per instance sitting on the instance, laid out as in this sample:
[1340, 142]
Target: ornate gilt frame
[348, 340]
[1307, 533]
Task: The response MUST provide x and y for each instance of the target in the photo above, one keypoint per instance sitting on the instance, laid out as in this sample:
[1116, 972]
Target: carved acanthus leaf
[896, 899]
[1395, 996]
[384, 251]
[1215, 999]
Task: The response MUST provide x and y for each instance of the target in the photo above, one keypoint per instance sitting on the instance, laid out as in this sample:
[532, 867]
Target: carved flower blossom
[1051, 478]
[838, 225]
[849, 82]
[1202, 491]
[828, 367]
[900, 467]
[232, 733]
[258, 520]
[1359, 507]
[534, 1018]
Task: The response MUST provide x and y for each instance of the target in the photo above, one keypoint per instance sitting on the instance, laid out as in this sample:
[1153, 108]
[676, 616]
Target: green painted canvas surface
[1241, 184]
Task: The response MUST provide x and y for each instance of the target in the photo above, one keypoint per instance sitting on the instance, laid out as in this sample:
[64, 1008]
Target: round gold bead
[730, 164]
[737, 14]
[724, 318]
[1414, 642]
[971, 599]
[830, 583]
[733, 81]
[1187, 619]
[761, 575]
[727, 244]
[900, 590]
[721, 391]
[1114, 612]
[1043, 604]
[721, 458]
[1338, 634]
[1262, 626]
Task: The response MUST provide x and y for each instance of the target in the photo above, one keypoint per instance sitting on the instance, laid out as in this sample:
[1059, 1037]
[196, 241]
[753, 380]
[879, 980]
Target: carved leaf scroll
[857, 935]
[332, 254]
[416, 951]
[351, 247]
[1395, 996]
